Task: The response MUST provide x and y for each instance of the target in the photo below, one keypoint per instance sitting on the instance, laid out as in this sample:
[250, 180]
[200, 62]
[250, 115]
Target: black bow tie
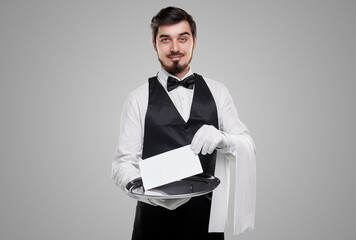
[187, 82]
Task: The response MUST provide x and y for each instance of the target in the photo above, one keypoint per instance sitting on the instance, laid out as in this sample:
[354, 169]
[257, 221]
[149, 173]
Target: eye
[165, 40]
[183, 39]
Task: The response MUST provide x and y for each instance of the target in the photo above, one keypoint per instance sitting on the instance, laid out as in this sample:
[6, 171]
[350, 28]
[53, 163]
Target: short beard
[175, 68]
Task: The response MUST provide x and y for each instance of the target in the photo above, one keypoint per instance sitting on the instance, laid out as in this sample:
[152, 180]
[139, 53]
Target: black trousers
[188, 222]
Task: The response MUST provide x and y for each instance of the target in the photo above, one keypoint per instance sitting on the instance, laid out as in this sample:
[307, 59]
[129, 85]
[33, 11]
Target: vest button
[186, 126]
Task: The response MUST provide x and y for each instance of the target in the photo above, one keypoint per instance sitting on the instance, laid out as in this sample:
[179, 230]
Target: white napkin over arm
[242, 151]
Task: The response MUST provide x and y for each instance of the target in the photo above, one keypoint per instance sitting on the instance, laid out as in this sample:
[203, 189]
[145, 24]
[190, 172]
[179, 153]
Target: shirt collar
[163, 75]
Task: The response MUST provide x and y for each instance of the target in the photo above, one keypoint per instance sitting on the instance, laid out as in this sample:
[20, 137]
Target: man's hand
[170, 204]
[206, 139]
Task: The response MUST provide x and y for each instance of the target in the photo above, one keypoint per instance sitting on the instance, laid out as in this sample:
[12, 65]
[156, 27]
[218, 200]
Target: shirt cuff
[229, 147]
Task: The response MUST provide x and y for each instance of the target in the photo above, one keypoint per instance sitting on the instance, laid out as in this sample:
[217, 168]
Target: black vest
[165, 130]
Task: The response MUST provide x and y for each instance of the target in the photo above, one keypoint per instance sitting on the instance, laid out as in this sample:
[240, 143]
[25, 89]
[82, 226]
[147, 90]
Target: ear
[195, 42]
[154, 44]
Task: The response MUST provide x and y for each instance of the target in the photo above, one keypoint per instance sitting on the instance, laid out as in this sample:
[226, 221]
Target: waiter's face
[174, 46]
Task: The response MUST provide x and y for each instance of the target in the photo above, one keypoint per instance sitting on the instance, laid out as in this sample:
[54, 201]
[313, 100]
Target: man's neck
[181, 74]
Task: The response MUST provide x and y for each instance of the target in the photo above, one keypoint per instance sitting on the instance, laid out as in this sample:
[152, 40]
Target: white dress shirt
[240, 148]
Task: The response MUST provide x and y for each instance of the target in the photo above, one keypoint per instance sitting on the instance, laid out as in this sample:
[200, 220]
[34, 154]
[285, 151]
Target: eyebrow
[184, 33]
[181, 34]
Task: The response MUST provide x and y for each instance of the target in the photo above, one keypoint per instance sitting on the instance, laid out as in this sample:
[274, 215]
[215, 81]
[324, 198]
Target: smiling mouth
[175, 56]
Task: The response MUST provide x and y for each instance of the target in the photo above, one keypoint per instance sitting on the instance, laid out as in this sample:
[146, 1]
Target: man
[174, 109]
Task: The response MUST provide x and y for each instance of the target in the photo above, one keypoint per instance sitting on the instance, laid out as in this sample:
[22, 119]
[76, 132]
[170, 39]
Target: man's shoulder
[215, 85]
[139, 90]
[140, 94]
[212, 81]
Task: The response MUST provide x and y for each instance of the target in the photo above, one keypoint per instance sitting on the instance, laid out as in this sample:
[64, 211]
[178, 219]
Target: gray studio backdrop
[67, 67]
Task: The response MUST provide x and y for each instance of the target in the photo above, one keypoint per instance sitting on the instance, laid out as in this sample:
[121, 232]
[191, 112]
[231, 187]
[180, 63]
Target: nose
[175, 46]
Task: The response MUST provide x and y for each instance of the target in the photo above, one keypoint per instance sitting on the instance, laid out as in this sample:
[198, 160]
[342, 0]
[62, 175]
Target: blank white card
[168, 167]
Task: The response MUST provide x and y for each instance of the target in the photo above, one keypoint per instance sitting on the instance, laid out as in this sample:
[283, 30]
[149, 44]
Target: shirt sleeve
[230, 125]
[128, 154]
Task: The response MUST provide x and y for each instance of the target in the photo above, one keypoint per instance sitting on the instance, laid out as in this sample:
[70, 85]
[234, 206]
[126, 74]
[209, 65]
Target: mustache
[175, 54]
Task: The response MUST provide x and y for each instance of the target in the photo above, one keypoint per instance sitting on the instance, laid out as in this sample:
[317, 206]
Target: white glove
[206, 139]
[170, 204]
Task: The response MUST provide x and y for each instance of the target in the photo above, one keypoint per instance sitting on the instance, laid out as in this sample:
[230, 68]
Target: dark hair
[171, 15]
